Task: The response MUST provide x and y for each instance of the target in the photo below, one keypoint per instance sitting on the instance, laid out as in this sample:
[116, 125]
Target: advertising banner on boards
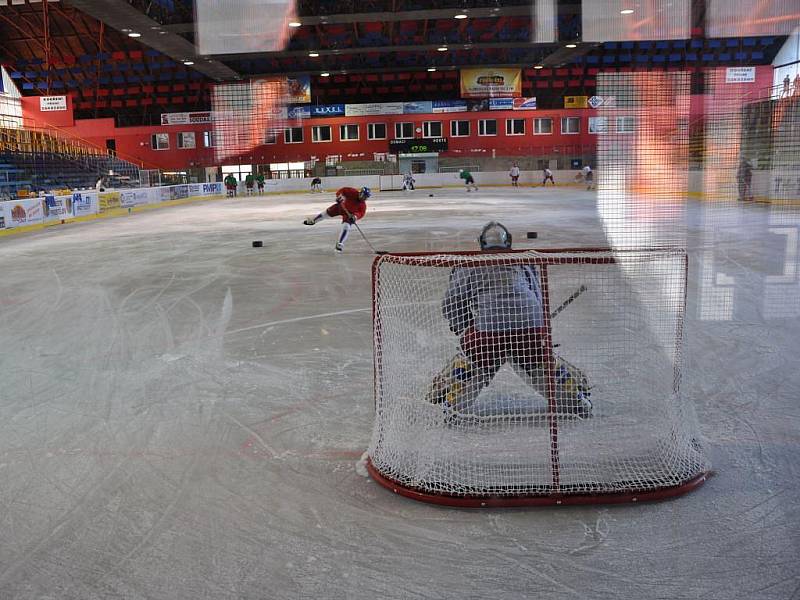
[130, 198]
[56, 208]
[19, 213]
[84, 203]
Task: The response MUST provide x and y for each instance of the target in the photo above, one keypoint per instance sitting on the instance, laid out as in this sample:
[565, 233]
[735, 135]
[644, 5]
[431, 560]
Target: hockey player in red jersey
[351, 205]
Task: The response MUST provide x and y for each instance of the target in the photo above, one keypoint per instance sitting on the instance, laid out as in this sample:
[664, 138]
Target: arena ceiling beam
[121, 16]
[389, 17]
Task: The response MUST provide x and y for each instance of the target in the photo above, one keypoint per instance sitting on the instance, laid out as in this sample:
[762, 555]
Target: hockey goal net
[532, 377]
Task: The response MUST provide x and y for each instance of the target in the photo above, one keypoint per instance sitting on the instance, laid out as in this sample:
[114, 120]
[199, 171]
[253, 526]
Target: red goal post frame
[542, 258]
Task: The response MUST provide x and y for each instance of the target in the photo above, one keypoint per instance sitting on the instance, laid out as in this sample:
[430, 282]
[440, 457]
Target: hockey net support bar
[469, 417]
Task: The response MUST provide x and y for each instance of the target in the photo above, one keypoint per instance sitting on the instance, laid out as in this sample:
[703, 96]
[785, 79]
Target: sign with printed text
[422, 107]
[328, 110]
[192, 118]
[56, 208]
[129, 198]
[598, 101]
[298, 89]
[491, 83]
[740, 75]
[298, 112]
[373, 108]
[52, 103]
[524, 104]
[576, 102]
[501, 103]
[446, 106]
[83, 204]
[512, 104]
[418, 145]
[23, 212]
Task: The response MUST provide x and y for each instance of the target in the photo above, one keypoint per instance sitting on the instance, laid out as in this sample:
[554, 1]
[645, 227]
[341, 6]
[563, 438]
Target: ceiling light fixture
[460, 16]
[324, 74]
[188, 63]
[313, 54]
[538, 67]
[133, 34]
[626, 11]
[431, 69]
[295, 24]
[442, 48]
[572, 45]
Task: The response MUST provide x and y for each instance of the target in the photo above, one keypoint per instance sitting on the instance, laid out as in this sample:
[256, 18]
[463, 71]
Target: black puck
[430, 195]
[258, 244]
[532, 235]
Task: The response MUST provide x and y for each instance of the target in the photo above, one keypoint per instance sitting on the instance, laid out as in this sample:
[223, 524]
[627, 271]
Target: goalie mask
[494, 236]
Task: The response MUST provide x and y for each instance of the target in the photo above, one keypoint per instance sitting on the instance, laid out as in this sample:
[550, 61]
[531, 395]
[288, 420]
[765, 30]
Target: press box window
[209, 139]
[570, 125]
[626, 124]
[487, 127]
[348, 132]
[159, 141]
[186, 140]
[432, 129]
[293, 135]
[403, 131]
[598, 125]
[376, 131]
[459, 128]
[515, 126]
[542, 126]
[321, 133]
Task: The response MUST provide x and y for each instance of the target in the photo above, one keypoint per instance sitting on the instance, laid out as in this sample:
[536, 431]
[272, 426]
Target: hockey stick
[568, 301]
[353, 219]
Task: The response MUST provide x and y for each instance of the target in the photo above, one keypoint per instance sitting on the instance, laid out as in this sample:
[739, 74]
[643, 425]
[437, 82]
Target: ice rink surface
[182, 415]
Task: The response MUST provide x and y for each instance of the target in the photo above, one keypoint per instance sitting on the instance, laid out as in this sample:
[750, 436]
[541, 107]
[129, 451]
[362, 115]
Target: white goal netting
[532, 374]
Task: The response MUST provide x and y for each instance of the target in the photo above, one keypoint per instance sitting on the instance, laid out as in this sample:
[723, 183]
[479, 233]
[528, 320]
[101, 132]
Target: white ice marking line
[296, 319]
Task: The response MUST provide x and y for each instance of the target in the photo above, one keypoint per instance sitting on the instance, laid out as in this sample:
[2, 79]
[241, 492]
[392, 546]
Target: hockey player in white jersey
[497, 313]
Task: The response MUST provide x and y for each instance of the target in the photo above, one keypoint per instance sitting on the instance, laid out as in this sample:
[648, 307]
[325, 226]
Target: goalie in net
[497, 313]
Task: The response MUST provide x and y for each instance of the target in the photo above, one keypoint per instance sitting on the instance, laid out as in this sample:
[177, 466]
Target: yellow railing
[46, 137]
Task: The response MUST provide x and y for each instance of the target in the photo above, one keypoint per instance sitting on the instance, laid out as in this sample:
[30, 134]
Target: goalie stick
[568, 301]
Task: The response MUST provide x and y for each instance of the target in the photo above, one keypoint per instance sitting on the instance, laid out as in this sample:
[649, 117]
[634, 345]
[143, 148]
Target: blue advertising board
[422, 107]
[327, 110]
